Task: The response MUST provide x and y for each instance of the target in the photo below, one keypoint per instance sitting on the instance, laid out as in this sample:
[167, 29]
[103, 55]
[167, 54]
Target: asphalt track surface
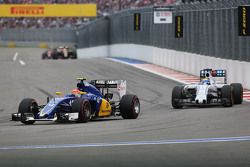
[142, 142]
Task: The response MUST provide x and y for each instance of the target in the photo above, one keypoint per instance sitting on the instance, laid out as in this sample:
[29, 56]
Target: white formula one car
[211, 90]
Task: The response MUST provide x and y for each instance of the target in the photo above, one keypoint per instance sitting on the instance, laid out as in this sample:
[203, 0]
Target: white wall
[182, 61]
[99, 51]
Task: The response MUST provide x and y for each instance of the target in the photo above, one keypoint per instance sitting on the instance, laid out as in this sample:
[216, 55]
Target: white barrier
[99, 51]
[181, 61]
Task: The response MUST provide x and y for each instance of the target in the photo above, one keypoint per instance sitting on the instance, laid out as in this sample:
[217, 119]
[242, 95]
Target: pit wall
[237, 71]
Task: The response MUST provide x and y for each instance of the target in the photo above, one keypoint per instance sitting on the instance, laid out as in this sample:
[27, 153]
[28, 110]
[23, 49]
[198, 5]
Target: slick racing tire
[237, 93]
[177, 95]
[44, 56]
[27, 106]
[130, 107]
[227, 96]
[83, 108]
[72, 55]
[54, 56]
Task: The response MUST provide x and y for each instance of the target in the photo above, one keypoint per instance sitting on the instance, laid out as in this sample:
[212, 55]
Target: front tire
[177, 96]
[83, 108]
[227, 96]
[44, 56]
[27, 106]
[73, 56]
[130, 107]
[237, 93]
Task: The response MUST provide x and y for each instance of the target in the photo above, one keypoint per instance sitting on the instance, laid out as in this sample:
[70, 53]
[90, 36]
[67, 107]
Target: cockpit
[205, 82]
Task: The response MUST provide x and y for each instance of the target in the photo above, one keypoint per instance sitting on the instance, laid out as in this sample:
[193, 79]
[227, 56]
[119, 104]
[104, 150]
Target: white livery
[212, 89]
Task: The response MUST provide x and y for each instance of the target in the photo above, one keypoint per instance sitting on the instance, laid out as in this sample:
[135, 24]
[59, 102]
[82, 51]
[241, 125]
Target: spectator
[103, 7]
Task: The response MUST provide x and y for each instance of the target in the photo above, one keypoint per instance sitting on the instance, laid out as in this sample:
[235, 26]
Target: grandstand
[105, 7]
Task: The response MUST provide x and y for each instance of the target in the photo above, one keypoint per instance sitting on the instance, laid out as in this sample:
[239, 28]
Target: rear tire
[27, 106]
[130, 107]
[177, 96]
[237, 93]
[83, 108]
[227, 96]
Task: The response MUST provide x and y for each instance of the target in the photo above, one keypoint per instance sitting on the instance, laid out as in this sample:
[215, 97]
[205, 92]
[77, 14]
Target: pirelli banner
[137, 21]
[48, 10]
[163, 15]
[244, 20]
[178, 26]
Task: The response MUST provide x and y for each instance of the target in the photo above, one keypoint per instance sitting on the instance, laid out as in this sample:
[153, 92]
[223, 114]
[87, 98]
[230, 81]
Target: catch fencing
[209, 29]
[39, 35]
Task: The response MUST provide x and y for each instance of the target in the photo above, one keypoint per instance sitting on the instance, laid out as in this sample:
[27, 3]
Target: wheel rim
[87, 110]
[137, 107]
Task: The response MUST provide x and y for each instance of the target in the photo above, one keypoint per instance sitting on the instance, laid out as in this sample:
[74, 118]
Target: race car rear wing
[120, 85]
[219, 73]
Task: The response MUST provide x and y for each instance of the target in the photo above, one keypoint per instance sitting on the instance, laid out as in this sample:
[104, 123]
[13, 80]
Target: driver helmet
[81, 86]
[75, 91]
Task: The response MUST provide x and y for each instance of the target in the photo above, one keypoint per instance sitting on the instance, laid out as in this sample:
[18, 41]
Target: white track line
[131, 143]
[15, 56]
[144, 69]
[22, 62]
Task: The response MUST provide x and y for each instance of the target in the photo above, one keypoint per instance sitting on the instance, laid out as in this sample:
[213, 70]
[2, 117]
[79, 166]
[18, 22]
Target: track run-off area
[161, 136]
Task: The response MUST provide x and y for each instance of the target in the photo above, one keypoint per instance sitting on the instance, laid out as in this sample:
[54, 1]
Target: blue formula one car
[88, 101]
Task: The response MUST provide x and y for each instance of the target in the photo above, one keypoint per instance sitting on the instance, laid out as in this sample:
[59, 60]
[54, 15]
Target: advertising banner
[178, 26]
[244, 20]
[48, 10]
[137, 21]
[163, 15]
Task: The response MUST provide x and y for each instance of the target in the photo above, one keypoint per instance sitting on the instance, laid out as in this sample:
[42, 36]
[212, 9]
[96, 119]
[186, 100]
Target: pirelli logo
[48, 10]
[244, 20]
[27, 10]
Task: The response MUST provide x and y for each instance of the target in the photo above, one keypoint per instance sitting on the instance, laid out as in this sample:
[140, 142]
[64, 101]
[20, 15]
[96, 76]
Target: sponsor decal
[107, 104]
[48, 10]
[27, 10]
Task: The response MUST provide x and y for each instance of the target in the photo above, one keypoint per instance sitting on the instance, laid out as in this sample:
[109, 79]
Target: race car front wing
[31, 117]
